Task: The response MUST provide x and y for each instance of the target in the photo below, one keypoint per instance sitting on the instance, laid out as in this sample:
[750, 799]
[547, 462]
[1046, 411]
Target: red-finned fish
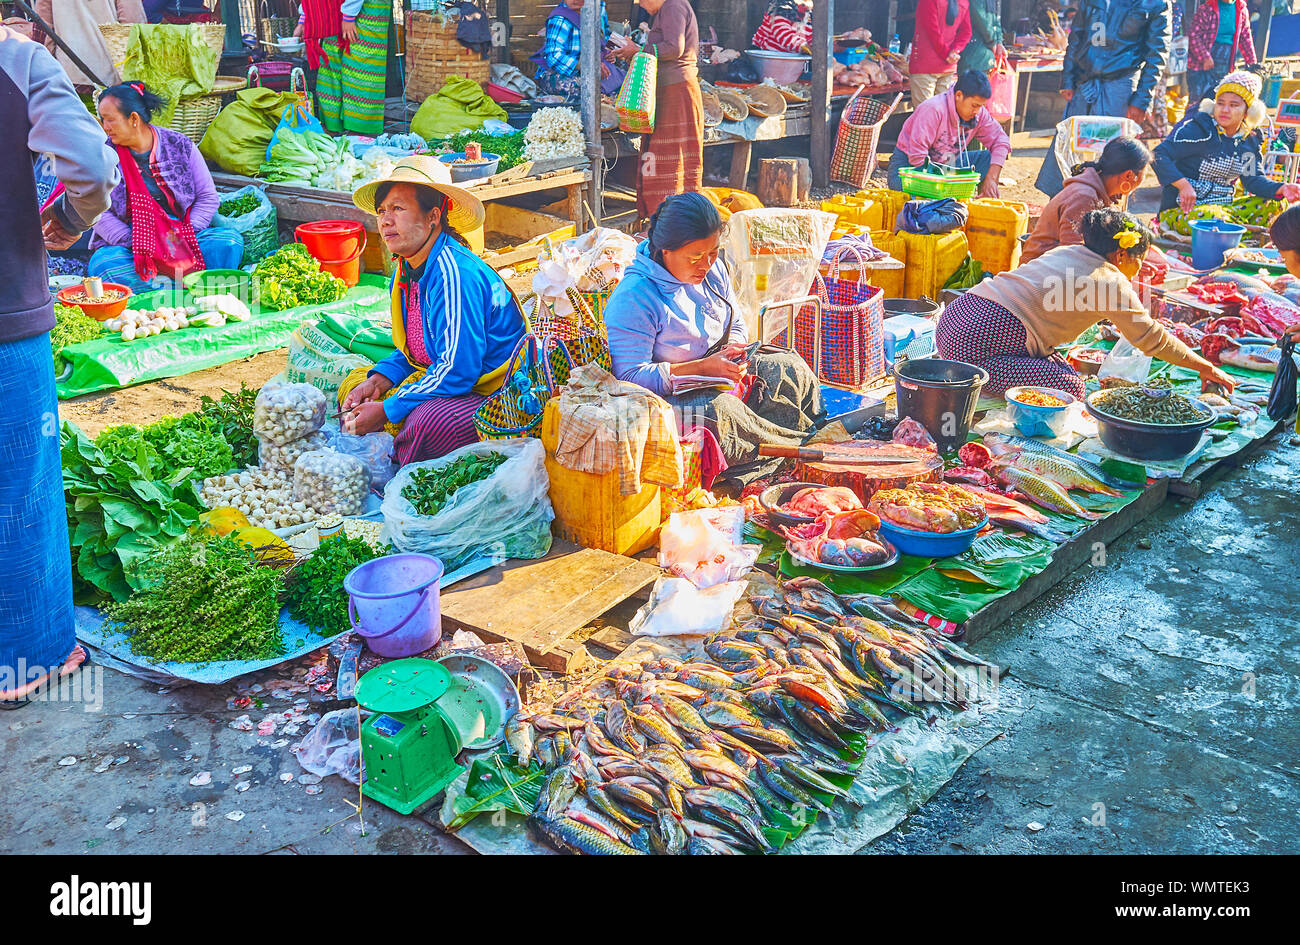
[1041, 490]
[1064, 474]
[995, 502]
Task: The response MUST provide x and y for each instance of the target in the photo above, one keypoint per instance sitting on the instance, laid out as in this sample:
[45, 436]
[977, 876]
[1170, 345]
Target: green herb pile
[72, 326]
[510, 147]
[430, 489]
[171, 445]
[232, 417]
[203, 599]
[291, 276]
[315, 587]
[121, 508]
[238, 206]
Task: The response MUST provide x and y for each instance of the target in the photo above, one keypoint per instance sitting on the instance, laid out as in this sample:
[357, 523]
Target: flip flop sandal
[7, 705]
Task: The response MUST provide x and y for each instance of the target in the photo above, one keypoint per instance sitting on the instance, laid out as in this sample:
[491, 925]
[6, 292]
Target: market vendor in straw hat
[455, 323]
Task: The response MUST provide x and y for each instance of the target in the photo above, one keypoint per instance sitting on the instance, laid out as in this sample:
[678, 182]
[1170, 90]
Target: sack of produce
[482, 500]
[331, 482]
[317, 359]
[248, 212]
[286, 412]
[373, 449]
[238, 137]
[285, 456]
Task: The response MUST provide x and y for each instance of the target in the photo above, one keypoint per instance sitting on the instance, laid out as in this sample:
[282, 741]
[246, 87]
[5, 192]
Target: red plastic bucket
[337, 246]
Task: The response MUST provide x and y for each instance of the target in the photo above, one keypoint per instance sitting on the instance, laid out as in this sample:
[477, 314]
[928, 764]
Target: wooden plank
[1199, 475]
[531, 185]
[821, 129]
[539, 604]
[1065, 560]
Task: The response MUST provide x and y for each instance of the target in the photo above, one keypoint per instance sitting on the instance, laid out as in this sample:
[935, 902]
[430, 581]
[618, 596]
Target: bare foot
[70, 665]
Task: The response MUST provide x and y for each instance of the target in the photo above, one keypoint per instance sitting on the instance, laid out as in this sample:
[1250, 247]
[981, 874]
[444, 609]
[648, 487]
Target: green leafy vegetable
[232, 417]
[203, 599]
[510, 147]
[71, 326]
[315, 587]
[239, 206]
[291, 276]
[431, 488]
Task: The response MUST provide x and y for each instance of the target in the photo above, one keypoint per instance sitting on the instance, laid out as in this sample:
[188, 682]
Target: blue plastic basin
[911, 541]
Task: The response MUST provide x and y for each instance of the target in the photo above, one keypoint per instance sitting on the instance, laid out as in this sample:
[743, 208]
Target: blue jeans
[980, 160]
[1095, 97]
[222, 248]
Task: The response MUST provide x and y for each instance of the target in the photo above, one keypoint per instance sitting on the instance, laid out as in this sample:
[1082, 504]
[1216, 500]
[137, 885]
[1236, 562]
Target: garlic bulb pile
[265, 496]
[288, 412]
[283, 456]
[140, 323]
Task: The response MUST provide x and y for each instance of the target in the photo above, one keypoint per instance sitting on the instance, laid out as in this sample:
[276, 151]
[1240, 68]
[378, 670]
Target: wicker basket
[269, 27]
[194, 114]
[118, 35]
[434, 55]
[854, 159]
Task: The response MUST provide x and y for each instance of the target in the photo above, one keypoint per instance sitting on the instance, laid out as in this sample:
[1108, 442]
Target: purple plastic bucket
[394, 602]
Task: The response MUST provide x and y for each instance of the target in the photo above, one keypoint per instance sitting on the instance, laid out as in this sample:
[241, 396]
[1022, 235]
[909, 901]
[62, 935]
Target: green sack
[460, 103]
[172, 60]
[237, 138]
[363, 336]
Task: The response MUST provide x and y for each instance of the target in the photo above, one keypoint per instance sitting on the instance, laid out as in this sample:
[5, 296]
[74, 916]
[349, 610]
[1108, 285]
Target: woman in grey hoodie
[673, 328]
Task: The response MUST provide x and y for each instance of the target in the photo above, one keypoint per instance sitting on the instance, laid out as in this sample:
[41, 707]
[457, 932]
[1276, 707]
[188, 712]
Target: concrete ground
[1150, 709]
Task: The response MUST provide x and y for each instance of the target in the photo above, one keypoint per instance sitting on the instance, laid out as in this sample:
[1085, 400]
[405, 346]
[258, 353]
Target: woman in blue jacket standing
[1214, 147]
[455, 322]
[673, 327]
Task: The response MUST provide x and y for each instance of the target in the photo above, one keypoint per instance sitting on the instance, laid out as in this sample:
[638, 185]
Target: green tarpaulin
[109, 362]
[359, 335]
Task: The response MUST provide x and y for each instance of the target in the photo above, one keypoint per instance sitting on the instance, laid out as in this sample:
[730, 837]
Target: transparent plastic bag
[331, 482]
[705, 546]
[507, 515]
[1125, 362]
[373, 449]
[288, 412]
[333, 746]
[283, 456]
[773, 256]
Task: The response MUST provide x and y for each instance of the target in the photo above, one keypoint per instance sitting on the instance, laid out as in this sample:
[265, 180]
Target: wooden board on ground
[1199, 475]
[1065, 560]
[540, 604]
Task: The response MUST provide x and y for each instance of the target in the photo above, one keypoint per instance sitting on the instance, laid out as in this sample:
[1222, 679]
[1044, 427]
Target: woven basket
[734, 108]
[194, 114]
[434, 55]
[854, 159]
[765, 101]
[269, 27]
[712, 109]
[118, 35]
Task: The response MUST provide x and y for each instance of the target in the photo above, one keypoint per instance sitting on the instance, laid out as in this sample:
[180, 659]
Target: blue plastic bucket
[1211, 239]
[394, 603]
[1272, 90]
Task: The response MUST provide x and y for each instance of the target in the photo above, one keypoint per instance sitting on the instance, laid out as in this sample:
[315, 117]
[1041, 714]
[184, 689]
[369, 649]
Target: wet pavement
[1150, 707]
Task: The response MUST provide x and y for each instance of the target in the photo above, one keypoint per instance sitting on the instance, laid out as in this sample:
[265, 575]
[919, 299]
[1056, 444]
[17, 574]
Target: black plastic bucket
[923, 307]
[941, 396]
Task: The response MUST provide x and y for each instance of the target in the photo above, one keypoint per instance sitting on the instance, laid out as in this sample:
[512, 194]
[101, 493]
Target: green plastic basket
[234, 282]
[937, 180]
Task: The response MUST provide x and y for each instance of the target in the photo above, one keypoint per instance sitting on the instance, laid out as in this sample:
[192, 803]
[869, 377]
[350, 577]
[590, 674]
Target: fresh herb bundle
[315, 587]
[430, 489]
[232, 417]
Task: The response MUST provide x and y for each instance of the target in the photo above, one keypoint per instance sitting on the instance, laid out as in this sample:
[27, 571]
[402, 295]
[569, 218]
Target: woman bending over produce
[1012, 324]
[673, 318]
[455, 322]
[157, 227]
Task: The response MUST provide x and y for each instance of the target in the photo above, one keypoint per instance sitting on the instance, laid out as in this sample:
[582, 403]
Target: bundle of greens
[291, 276]
[239, 206]
[232, 417]
[432, 488]
[203, 599]
[71, 326]
[120, 509]
[315, 587]
[309, 158]
[170, 446]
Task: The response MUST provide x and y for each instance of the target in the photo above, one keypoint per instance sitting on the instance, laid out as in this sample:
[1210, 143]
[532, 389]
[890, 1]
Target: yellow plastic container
[890, 203]
[993, 229]
[589, 509]
[931, 261]
[849, 208]
[891, 280]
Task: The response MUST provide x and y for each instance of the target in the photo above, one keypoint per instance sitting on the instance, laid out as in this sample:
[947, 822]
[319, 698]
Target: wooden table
[1027, 66]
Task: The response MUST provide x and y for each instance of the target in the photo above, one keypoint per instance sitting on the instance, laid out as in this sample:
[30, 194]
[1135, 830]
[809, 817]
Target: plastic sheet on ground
[111, 648]
[108, 363]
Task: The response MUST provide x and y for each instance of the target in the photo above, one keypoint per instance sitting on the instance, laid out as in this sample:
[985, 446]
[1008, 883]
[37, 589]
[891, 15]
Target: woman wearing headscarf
[672, 157]
[942, 31]
[347, 43]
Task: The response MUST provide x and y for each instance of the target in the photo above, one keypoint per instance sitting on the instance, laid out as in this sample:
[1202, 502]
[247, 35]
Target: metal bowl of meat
[1117, 412]
[792, 504]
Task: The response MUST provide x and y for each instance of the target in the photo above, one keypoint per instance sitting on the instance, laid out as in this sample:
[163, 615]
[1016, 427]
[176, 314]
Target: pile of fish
[698, 757]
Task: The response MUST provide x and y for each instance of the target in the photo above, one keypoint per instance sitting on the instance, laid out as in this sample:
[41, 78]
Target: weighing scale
[408, 747]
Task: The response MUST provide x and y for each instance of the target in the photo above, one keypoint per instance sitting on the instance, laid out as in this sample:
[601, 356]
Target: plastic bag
[333, 746]
[331, 482]
[705, 546]
[677, 606]
[288, 412]
[375, 450]
[591, 262]
[317, 359]
[773, 256]
[1002, 103]
[284, 456]
[238, 137]
[260, 228]
[1125, 362]
[294, 119]
[507, 515]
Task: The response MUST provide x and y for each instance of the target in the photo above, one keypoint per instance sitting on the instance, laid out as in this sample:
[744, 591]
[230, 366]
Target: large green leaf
[494, 784]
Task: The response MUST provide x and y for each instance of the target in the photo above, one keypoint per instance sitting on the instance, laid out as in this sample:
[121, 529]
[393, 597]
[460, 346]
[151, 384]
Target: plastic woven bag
[260, 228]
[507, 515]
[636, 99]
[317, 359]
